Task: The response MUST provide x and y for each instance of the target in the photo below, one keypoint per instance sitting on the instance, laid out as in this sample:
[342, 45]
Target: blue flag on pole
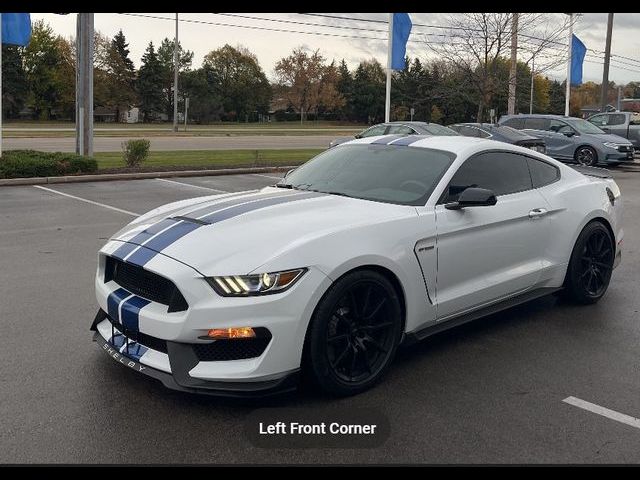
[578, 51]
[401, 30]
[16, 28]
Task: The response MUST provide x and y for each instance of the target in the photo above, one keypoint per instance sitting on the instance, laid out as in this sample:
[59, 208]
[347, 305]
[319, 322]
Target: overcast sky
[270, 46]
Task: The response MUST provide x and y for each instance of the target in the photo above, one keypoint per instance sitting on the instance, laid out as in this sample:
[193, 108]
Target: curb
[140, 175]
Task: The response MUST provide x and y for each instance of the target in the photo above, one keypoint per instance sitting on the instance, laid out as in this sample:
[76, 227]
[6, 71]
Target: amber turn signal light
[233, 332]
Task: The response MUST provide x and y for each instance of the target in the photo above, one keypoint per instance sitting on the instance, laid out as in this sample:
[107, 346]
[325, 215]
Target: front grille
[145, 284]
[236, 349]
[142, 338]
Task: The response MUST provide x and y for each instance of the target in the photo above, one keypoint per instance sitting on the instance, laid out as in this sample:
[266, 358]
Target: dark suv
[573, 139]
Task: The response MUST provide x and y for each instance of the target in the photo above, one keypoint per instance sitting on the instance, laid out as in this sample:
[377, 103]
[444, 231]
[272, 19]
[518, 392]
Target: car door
[488, 253]
[561, 142]
[616, 124]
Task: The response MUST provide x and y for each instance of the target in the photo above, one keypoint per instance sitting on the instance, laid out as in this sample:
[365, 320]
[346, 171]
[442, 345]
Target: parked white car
[372, 243]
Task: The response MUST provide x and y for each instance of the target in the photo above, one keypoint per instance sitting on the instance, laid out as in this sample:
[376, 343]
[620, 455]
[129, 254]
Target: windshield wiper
[283, 185]
[340, 194]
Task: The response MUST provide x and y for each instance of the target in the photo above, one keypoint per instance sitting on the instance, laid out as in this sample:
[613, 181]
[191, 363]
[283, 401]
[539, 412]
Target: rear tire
[354, 333]
[591, 264]
[586, 156]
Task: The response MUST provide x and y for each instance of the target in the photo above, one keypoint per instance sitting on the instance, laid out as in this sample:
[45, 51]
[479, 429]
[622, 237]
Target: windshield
[384, 173]
[582, 126]
[435, 129]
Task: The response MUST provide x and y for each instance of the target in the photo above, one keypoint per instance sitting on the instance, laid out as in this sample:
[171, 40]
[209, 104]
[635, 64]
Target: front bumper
[181, 360]
[618, 157]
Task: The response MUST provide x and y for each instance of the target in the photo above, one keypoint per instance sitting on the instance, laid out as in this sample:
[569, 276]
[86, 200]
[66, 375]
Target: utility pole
[604, 90]
[568, 92]
[511, 106]
[84, 84]
[533, 64]
[176, 62]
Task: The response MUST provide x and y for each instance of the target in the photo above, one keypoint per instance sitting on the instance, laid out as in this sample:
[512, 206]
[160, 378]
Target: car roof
[540, 115]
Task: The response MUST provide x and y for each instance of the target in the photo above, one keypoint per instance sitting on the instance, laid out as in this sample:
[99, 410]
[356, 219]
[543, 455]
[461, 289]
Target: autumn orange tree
[308, 83]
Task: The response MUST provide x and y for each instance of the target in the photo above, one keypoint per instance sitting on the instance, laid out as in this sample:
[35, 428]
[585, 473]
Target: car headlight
[258, 284]
[613, 145]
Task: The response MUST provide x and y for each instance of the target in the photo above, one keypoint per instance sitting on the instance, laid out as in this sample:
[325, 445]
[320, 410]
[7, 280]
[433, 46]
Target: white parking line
[190, 185]
[267, 176]
[605, 412]
[116, 209]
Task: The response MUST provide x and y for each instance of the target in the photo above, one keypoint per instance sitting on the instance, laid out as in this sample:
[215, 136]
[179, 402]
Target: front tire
[586, 156]
[591, 264]
[354, 333]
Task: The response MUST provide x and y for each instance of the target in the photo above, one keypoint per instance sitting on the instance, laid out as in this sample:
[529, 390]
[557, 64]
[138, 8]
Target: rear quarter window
[542, 173]
[517, 123]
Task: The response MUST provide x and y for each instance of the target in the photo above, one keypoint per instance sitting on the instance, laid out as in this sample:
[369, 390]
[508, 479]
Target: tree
[204, 103]
[122, 74]
[345, 89]
[302, 73]
[150, 84]
[14, 81]
[65, 77]
[368, 91]
[166, 62]
[41, 58]
[557, 97]
[329, 98]
[236, 78]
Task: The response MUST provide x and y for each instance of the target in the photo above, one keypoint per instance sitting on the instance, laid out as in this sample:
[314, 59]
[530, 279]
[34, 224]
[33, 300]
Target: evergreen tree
[14, 81]
[150, 84]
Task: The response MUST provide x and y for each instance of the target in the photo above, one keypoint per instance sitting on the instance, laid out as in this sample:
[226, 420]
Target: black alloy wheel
[591, 264]
[354, 333]
[586, 156]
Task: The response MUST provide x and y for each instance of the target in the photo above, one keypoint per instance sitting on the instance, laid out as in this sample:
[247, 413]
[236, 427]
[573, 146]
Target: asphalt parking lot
[487, 392]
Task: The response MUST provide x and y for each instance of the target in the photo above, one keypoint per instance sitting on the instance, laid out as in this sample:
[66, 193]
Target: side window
[559, 126]
[517, 123]
[373, 131]
[483, 134]
[599, 120]
[468, 131]
[401, 129]
[616, 119]
[537, 123]
[501, 172]
[542, 173]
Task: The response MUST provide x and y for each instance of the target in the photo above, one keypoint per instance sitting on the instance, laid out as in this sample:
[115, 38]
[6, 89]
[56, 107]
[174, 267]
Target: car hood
[610, 137]
[235, 234]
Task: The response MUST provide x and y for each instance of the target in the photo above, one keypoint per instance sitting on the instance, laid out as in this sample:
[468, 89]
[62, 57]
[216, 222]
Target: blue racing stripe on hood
[123, 250]
[113, 302]
[145, 253]
[199, 212]
[131, 312]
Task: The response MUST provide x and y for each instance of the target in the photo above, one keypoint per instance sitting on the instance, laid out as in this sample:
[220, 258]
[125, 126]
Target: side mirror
[473, 197]
[569, 133]
[358, 136]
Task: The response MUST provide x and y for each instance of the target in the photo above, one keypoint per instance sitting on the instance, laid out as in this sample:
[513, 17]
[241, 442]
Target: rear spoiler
[592, 171]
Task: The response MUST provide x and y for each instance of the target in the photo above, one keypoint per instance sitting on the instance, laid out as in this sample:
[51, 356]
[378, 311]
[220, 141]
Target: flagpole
[568, 94]
[0, 85]
[387, 103]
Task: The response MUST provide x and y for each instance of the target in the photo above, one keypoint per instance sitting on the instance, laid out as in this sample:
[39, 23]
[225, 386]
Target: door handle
[538, 212]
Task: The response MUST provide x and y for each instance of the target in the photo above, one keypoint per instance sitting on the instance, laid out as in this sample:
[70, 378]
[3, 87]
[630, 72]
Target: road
[114, 144]
[488, 392]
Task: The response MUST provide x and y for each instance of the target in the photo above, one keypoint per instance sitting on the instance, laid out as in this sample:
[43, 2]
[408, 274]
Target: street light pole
[176, 61]
[533, 63]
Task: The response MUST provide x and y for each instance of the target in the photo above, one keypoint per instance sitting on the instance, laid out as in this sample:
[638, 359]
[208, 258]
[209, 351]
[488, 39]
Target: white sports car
[372, 243]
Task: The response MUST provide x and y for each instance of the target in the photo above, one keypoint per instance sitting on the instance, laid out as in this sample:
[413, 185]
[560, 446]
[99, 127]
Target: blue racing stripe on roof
[386, 139]
[131, 311]
[409, 140]
[250, 207]
[113, 301]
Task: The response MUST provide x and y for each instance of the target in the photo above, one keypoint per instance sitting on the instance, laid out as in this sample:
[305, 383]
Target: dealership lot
[492, 391]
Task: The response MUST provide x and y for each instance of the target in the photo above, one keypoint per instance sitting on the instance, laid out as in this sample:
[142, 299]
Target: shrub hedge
[32, 163]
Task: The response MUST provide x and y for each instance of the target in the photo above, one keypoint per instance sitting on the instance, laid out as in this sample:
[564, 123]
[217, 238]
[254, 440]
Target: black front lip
[182, 359]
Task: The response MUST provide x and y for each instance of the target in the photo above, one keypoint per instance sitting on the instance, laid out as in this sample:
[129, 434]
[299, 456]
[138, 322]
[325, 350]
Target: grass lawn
[212, 158]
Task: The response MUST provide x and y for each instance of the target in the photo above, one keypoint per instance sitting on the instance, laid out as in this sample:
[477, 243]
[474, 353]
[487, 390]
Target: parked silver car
[573, 139]
[398, 128]
[625, 124]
